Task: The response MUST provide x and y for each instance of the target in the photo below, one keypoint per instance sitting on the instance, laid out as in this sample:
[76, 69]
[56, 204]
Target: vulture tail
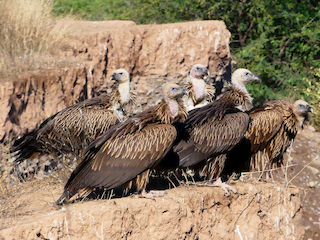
[26, 147]
[63, 199]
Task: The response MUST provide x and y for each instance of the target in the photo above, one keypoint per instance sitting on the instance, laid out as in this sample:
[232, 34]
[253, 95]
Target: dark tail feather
[25, 147]
[63, 199]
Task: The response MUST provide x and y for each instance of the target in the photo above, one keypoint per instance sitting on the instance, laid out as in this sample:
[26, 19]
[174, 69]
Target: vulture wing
[69, 130]
[121, 154]
[265, 122]
[215, 132]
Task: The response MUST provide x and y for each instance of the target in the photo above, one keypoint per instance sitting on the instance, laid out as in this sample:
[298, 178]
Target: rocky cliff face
[152, 54]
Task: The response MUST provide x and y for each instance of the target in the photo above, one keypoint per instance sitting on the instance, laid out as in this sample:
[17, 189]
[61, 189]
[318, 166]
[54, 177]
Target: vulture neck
[241, 87]
[301, 118]
[199, 88]
[124, 90]
[169, 110]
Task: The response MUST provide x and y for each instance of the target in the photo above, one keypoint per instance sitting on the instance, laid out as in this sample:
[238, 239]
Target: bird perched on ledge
[72, 129]
[199, 92]
[211, 131]
[125, 154]
[272, 129]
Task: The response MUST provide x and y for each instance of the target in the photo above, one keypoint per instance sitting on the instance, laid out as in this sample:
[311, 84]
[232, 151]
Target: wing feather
[119, 159]
[212, 138]
[265, 123]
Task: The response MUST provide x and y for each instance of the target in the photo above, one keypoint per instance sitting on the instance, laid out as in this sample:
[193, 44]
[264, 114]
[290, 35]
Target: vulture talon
[151, 194]
[224, 186]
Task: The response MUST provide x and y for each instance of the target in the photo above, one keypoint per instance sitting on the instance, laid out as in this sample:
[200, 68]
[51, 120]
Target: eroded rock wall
[152, 54]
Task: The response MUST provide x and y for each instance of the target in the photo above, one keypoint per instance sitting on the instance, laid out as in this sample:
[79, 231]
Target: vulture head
[242, 76]
[172, 91]
[121, 76]
[301, 110]
[198, 71]
[172, 96]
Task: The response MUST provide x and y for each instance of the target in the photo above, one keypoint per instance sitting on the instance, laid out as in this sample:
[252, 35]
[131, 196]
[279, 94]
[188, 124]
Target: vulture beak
[184, 91]
[205, 71]
[113, 77]
[256, 79]
[310, 109]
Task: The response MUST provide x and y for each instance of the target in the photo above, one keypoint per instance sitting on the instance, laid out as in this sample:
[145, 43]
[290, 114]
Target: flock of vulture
[187, 129]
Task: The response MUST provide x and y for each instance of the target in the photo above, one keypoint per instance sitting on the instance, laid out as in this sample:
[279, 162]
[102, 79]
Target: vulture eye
[301, 106]
[247, 74]
[197, 68]
[173, 89]
[121, 73]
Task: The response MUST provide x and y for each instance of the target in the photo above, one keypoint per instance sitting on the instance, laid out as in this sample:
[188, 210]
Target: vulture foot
[224, 186]
[151, 194]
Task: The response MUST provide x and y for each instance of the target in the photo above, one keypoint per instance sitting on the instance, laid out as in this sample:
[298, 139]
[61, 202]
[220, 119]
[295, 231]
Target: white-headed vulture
[199, 92]
[72, 129]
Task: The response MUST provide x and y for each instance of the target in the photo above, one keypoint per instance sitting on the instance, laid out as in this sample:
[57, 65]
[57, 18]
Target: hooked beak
[256, 79]
[113, 77]
[310, 109]
[184, 91]
[206, 72]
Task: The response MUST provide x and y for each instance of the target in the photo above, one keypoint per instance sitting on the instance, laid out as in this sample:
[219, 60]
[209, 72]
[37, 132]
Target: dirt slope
[262, 211]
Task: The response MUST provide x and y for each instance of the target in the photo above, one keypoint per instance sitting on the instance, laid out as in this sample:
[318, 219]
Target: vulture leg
[151, 194]
[224, 186]
[142, 181]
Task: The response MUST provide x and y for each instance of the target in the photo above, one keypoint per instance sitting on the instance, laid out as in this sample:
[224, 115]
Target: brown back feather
[73, 128]
[213, 129]
[125, 151]
[271, 132]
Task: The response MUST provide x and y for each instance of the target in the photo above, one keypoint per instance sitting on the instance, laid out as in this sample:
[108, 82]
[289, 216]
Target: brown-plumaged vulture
[272, 129]
[199, 92]
[72, 129]
[210, 132]
[125, 154]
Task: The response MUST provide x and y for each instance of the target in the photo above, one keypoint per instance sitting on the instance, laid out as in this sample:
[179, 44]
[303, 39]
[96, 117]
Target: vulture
[211, 131]
[272, 129]
[72, 129]
[124, 155]
[199, 92]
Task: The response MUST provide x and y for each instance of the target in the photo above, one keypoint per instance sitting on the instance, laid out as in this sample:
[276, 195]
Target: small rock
[30, 169]
[311, 128]
[313, 169]
[311, 184]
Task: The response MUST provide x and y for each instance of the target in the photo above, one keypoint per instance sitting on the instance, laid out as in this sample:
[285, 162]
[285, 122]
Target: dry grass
[29, 35]
[21, 199]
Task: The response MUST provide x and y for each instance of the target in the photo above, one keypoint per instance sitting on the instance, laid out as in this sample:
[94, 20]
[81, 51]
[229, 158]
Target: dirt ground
[305, 174]
[186, 212]
[153, 54]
